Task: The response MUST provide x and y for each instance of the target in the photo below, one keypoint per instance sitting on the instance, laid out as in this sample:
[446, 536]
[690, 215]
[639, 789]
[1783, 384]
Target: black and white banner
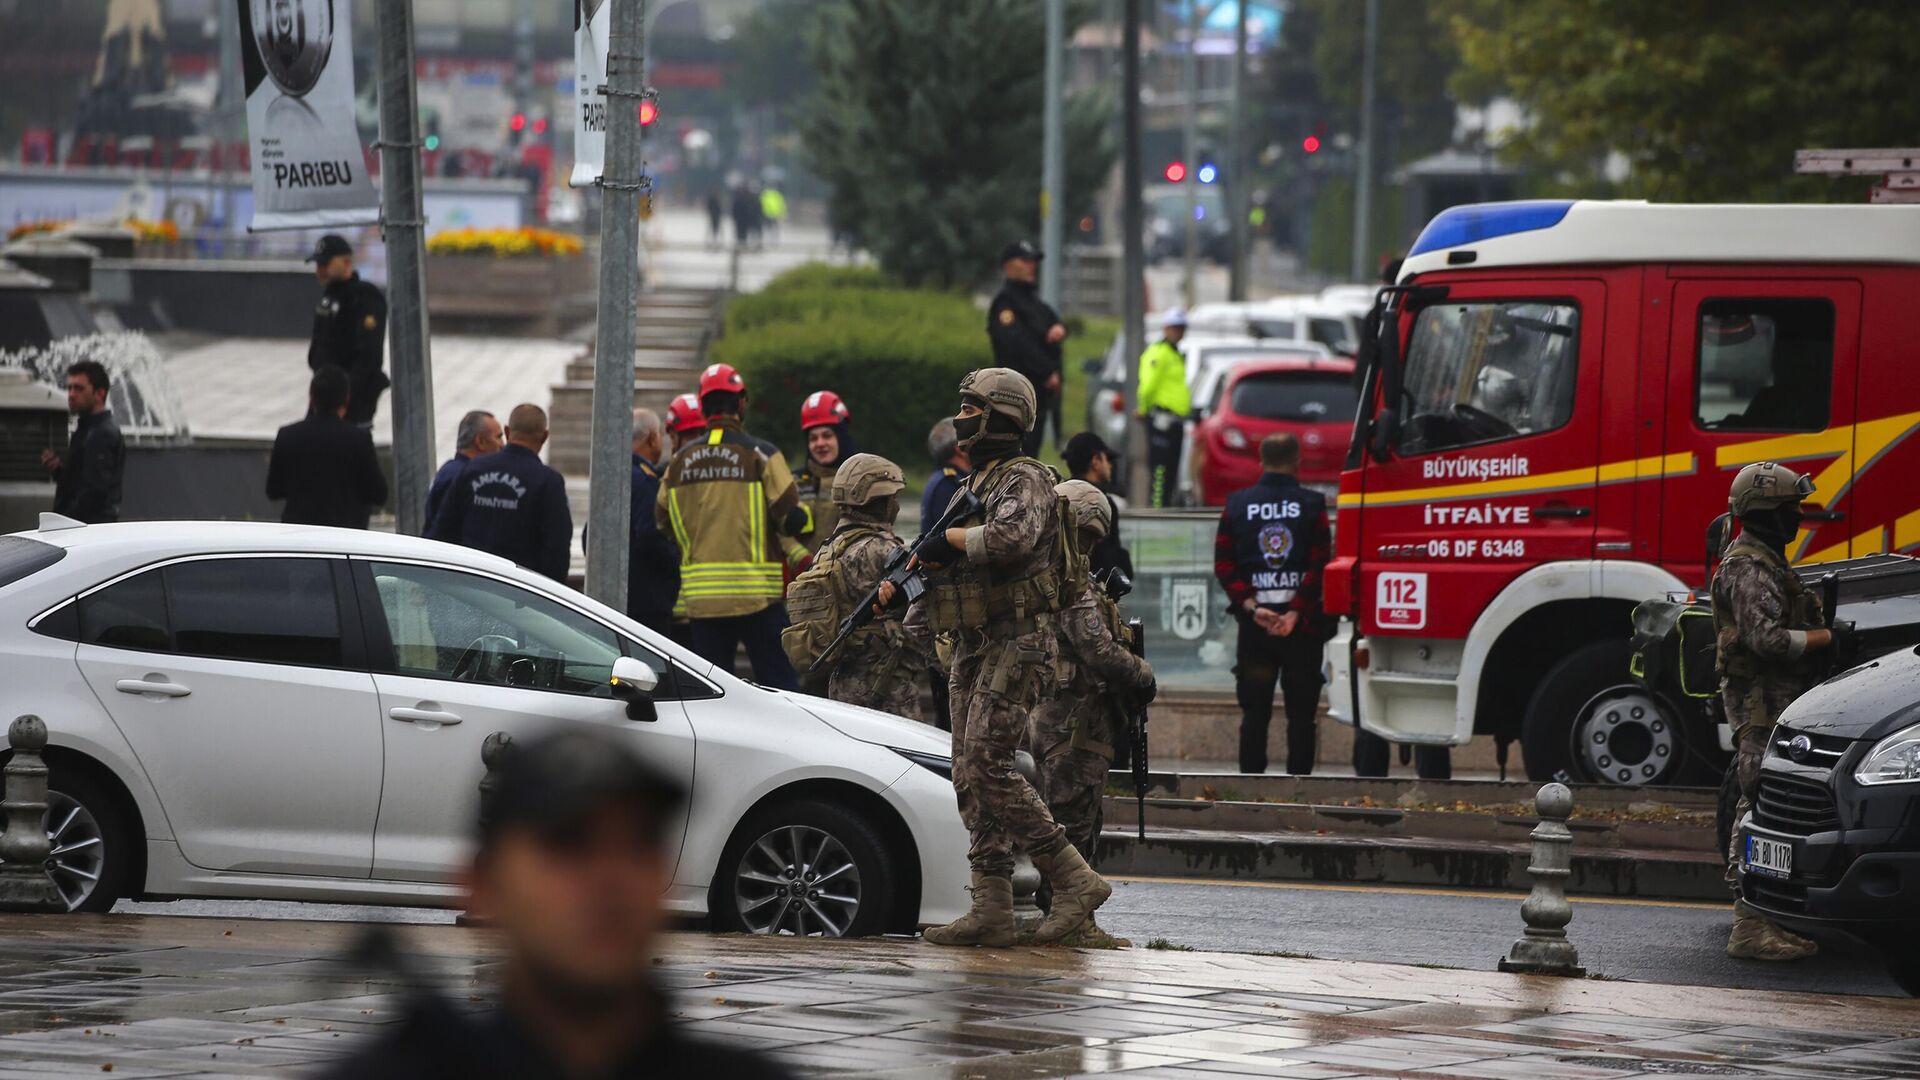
[309, 170]
[591, 19]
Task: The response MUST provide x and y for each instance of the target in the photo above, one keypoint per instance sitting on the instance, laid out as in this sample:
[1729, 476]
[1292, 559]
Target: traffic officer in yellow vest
[998, 587]
[728, 499]
[1773, 646]
[823, 424]
[1165, 403]
[880, 665]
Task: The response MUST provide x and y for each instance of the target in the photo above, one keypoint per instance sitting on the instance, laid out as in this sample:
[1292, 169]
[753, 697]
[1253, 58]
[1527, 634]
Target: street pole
[403, 222]
[1190, 137]
[1237, 179]
[230, 110]
[610, 469]
[1053, 156]
[1133, 260]
[1363, 179]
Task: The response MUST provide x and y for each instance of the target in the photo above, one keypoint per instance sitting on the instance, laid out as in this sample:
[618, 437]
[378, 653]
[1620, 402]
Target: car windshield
[1310, 397]
[20, 557]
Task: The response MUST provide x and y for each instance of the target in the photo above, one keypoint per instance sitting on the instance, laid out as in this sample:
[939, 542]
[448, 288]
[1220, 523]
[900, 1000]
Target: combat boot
[1756, 937]
[1092, 935]
[989, 922]
[1077, 891]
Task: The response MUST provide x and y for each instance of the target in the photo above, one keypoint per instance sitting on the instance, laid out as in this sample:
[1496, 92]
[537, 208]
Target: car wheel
[806, 868]
[92, 844]
[1588, 720]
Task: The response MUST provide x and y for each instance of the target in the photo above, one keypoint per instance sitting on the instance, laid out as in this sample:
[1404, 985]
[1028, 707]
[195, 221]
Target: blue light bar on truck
[1484, 221]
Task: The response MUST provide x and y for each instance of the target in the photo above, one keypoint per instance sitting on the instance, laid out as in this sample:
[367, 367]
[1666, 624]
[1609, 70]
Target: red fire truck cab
[1556, 397]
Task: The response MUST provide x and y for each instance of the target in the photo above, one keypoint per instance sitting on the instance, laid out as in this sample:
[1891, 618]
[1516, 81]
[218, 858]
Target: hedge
[894, 355]
[819, 275]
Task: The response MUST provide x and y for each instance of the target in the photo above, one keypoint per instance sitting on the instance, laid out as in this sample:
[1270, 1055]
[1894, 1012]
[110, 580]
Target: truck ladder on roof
[1900, 167]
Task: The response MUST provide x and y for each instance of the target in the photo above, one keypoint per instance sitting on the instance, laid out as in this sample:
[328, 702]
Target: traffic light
[518, 122]
[432, 142]
[1176, 171]
[540, 126]
[1311, 144]
[1207, 173]
[649, 112]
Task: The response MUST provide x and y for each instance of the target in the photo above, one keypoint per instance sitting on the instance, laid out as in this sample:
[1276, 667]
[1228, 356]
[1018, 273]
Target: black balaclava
[1775, 526]
[988, 437]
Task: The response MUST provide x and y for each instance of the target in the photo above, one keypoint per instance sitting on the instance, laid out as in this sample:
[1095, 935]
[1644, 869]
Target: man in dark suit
[86, 480]
[325, 466]
[653, 562]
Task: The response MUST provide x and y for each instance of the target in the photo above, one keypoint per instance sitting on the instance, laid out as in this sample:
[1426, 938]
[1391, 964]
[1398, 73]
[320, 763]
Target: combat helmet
[1766, 485]
[863, 478]
[1004, 391]
[1087, 505]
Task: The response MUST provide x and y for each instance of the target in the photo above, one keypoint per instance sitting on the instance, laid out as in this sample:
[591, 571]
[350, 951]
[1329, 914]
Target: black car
[1832, 845]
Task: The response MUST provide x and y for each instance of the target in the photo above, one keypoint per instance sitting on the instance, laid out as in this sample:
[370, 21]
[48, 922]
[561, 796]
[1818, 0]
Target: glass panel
[1765, 365]
[20, 557]
[275, 611]
[1479, 372]
[1306, 398]
[449, 625]
[1332, 333]
[131, 614]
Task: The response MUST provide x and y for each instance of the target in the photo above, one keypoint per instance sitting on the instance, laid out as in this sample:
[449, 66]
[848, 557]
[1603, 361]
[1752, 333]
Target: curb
[1169, 853]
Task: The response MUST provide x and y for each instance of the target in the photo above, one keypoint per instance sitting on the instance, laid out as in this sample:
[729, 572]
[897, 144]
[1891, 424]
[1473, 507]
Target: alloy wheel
[79, 852]
[1622, 737]
[798, 880]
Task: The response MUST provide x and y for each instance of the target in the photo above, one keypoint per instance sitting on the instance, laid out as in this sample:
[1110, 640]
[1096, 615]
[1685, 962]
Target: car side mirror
[1386, 433]
[634, 681]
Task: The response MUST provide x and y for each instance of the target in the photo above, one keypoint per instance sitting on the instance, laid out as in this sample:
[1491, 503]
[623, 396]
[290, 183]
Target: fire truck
[1556, 397]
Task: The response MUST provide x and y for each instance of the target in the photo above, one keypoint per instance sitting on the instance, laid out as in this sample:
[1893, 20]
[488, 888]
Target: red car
[1314, 398]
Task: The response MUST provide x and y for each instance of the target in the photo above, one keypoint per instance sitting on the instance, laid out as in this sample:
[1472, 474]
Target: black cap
[327, 247]
[1079, 451]
[563, 776]
[1021, 249]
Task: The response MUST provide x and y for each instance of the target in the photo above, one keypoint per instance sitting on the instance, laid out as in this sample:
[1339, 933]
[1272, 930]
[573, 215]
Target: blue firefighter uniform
[512, 504]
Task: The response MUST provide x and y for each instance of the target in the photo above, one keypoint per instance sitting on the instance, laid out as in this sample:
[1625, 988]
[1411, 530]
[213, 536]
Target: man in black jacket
[479, 433]
[1026, 333]
[653, 562]
[349, 327]
[86, 481]
[511, 503]
[324, 466]
[1089, 458]
[572, 861]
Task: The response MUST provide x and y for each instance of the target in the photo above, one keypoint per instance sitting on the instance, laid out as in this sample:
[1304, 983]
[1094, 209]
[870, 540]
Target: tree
[1706, 102]
[927, 125]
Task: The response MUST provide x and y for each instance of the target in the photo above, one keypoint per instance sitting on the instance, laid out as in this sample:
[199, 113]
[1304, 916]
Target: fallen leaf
[108, 1067]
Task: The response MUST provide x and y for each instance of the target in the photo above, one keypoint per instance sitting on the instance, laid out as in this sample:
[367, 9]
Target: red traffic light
[1176, 171]
[1311, 144]
[540, 126]
[649, 112]
[518, 122]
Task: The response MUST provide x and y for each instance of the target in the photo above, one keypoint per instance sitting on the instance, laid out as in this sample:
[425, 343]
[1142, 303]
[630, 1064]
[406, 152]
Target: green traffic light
[433, 142]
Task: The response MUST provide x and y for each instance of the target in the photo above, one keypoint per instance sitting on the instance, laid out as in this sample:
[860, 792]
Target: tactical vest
[969, 597]
[1739, 665]
[1093, 730]
[819, 600]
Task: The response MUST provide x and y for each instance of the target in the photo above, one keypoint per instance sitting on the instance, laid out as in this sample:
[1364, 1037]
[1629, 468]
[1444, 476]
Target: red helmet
[823, 408]
[683, 415]
[720, 378]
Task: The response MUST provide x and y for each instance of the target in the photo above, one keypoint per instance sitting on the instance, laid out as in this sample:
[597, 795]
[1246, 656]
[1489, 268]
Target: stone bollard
[1026, 878]
[1544, 949]
[24, 884]
[493, 753]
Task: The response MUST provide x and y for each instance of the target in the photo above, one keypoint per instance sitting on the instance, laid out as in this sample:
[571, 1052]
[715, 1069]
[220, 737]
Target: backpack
[818, 601]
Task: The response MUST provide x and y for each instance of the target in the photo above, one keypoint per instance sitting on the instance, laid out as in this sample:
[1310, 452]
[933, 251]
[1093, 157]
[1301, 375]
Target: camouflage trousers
[1073, 782]
[991, 688]
[1750, 749]
[889, 686]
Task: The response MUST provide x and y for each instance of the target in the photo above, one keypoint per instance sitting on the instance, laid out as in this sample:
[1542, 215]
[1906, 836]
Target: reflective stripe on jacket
[725, 499]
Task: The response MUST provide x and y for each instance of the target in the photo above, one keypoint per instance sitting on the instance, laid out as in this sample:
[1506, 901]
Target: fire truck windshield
[1480, 371]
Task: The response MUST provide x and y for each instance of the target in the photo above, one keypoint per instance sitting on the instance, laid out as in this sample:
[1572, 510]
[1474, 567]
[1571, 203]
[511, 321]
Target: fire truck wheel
[1589, 721]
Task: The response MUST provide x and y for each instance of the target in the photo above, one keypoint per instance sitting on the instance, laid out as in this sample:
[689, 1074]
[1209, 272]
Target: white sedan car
[287, 712]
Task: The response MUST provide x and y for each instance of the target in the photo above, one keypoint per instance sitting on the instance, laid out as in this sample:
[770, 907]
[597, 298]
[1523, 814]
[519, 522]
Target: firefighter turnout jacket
[729, 499]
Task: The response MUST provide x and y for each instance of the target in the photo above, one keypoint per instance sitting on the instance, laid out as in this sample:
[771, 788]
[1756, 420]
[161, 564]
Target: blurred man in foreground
[572, 863]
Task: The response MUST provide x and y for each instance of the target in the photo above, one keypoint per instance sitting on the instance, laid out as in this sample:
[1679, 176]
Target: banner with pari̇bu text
[309, 170]
[590, 26]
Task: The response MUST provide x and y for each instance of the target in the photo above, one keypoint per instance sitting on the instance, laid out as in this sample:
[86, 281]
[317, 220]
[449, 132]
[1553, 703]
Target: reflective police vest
[724, 498]
[1272, 527]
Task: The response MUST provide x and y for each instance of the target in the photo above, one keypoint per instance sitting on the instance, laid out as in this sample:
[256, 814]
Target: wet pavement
[159, 996]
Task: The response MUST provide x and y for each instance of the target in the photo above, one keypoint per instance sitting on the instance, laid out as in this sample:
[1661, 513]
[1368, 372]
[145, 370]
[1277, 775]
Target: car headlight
[936, 764]
[1893, 760]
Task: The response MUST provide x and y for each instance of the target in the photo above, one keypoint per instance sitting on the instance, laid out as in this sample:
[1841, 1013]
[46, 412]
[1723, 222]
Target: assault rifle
[905, 571]
[1137, 728]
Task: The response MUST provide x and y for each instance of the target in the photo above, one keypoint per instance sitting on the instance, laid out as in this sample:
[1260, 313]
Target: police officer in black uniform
[511, 503]
[349, 327]
[1026, 333]
[1272, 545]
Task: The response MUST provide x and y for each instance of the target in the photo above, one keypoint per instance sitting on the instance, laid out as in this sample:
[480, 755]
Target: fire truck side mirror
[1386, 433]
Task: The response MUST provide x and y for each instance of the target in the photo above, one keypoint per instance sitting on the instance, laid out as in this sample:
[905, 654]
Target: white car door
[459, 655]
[245, 696]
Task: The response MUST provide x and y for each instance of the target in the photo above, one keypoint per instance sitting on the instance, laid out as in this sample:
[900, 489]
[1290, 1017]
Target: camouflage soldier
[998, 587]
[879, 666]
[1074, 734]
[1768, 624]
